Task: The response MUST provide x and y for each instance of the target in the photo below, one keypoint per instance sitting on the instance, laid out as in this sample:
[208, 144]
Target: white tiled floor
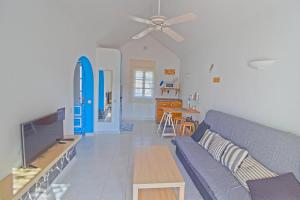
[103, 167]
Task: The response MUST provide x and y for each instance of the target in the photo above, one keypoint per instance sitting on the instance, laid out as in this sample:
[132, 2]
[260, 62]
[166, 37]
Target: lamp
[262, 63]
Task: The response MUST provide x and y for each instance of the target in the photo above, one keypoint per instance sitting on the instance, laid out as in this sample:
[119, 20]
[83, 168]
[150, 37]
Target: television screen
[40, 134]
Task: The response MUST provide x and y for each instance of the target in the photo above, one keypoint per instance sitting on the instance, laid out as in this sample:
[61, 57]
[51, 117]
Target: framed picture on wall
[170, 71]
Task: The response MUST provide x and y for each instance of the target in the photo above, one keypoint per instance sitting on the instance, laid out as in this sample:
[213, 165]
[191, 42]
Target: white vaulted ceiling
[108, 21]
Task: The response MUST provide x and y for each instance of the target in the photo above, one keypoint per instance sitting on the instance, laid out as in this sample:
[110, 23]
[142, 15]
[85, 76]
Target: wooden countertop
[180, 110]
[44, 162]
[168, 99]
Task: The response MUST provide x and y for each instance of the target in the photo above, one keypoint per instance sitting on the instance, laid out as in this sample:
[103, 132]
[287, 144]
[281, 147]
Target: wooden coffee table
[156, 175]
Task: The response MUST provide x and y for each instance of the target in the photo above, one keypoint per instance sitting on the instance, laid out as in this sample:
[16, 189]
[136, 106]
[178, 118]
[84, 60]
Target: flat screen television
[40, 134]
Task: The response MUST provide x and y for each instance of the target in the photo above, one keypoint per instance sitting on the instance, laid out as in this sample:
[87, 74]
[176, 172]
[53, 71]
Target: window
[143, 84]
[142, 81]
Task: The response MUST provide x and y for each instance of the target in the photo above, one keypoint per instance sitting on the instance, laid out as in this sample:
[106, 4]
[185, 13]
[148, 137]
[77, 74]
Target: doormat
[126, 127]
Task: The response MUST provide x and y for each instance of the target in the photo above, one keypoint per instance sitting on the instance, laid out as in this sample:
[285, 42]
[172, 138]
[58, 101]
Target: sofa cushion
[277, 150]
[217, 179]
[233, 156]
[200, 131]
[281, 187]
[217, 146]
[251, 169]
[207, 139]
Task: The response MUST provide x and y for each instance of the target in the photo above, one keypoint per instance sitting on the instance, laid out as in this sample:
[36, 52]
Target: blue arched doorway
[83, 97]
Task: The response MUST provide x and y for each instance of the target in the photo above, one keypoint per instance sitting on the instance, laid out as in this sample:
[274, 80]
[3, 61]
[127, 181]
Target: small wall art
[170, 71]
[216, 79]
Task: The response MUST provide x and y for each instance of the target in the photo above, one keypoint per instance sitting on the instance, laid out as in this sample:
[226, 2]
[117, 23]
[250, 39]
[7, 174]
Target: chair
[166, 121]
[187, 125]
[178, 120]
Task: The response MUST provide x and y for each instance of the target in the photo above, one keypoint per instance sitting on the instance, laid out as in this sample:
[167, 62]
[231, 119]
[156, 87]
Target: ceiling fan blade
[141, 20]
[143, 33]
[175, 36]
[181, 19]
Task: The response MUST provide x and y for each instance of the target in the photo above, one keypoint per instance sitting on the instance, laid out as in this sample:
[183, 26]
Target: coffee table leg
[181, 193]
[135, 193]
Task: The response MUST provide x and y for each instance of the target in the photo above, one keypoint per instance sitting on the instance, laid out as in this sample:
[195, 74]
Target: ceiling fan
[161, 23]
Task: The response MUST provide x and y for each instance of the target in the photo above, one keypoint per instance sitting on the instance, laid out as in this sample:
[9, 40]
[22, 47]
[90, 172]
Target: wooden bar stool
[178, 120]
[187, 125]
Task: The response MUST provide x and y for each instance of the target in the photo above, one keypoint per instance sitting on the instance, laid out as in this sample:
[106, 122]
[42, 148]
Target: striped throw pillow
[207, 139]
[233, 156]
[218, 146]
[251, 169]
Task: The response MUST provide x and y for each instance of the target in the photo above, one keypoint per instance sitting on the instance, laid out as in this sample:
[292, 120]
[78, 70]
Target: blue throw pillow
[281, 187]
[200, 131]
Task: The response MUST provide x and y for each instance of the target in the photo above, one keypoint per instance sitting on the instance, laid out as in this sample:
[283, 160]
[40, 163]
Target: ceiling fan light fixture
[158, 20]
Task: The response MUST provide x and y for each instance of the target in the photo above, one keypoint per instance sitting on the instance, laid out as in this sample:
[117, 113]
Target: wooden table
[180, 110]
[156, 175]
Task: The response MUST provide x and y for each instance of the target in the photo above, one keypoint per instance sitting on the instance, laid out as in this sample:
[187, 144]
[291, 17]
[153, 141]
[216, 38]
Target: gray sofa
[277, 150]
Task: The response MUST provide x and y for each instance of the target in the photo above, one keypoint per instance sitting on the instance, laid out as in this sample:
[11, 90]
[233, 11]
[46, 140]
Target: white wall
[108, 59]
[145, 49]
[269, 96]
[39, 48]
